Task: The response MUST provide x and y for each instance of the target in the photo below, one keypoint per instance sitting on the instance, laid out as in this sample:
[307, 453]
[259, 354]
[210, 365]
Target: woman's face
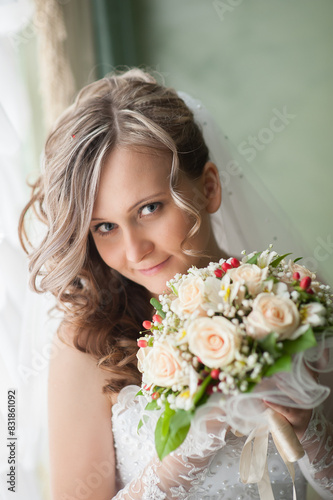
[137, 227]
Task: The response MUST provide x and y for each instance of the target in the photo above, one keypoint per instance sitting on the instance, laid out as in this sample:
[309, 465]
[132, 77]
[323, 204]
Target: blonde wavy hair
[129, 109]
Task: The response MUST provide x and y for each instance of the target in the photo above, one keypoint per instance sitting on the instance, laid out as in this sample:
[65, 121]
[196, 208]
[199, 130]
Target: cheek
[109, 255]
[174, 228]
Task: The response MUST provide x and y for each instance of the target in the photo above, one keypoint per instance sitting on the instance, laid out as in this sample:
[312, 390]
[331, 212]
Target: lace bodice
[220, 480]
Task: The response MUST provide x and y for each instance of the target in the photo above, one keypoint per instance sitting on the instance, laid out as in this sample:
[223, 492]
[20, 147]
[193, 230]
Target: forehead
[130, 173]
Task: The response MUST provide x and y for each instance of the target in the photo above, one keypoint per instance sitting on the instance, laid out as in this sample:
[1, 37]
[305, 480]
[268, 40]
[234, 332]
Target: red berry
[310, 291]
[209, 390]
[234, 262]
[305, 282]
[215, 373]
[225, 266]
[157, 318]
[218, 273]
[296, 276]
[147, 325]
[155, 395]
[142, 343]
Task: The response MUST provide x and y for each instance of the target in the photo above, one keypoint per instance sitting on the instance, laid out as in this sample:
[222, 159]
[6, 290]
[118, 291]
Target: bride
[127, 193]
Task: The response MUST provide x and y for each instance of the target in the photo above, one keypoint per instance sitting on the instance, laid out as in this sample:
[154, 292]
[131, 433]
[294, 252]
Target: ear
[211, 187]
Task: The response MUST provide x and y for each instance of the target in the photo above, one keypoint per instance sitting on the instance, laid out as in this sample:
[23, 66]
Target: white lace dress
[141, 475]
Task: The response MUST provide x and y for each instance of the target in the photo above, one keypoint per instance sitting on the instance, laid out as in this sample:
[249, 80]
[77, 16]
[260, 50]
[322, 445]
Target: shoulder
[68, 360]
[77, 370]
[80, 433]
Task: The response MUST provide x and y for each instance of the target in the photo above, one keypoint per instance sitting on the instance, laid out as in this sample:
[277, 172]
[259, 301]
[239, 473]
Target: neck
[215, 252]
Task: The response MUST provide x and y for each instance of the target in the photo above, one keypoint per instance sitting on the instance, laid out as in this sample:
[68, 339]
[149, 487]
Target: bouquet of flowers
[224, 330]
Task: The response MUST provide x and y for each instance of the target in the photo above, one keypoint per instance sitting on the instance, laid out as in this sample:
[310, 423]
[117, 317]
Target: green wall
[244, 59]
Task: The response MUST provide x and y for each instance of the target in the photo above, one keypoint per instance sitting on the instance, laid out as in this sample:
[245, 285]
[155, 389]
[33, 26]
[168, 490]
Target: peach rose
[190, 296]
[272, 313]
[250, 275]
[162, 365]
[214, 340]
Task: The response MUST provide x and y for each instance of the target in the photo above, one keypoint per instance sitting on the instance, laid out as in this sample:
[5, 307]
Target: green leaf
[268, 344]
[162, 432]
[143, 420]
[151, 341]
[140, 393]
[305, 297]
[152, 405]
[302, 343]
[272, 278]
[167, 414]
[158, 306]
[201, 390]
[283, 364]
[177, 424]
[180, 419]
[298, 258]
[155, 303]
[254, 259]
[180, 424]
[250, 387]
[277, 261]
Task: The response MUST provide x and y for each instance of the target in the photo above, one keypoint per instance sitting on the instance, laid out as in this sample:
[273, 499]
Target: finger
[298, 418]
[284, 410]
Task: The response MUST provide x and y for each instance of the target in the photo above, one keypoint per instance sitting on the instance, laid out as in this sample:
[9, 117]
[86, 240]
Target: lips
[151, 271]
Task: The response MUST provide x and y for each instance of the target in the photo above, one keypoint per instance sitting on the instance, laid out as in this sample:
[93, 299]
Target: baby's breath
[223, 293]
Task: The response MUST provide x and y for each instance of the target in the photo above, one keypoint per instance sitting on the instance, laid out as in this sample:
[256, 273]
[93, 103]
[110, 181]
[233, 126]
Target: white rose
[272, 313]
[162, 365]
[214, 340]
[190, 296]
[250, 275]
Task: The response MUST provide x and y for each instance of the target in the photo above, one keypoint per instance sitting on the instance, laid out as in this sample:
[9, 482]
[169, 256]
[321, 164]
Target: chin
[157, 290]
[157, 287]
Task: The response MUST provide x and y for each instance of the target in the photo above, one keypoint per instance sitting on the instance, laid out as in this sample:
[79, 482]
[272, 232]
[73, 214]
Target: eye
[105, 228]
[150, 208]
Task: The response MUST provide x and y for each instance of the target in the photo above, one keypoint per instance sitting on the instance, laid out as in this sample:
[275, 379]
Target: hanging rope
[57, 83]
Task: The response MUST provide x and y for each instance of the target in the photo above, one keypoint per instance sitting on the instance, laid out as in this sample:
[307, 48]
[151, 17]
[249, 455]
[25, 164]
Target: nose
[137, 244]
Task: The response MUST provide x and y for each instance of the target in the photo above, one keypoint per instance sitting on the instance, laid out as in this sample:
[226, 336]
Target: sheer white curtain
[25, 331]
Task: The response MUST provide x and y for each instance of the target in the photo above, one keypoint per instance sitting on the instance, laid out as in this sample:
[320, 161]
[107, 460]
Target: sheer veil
[250, 218]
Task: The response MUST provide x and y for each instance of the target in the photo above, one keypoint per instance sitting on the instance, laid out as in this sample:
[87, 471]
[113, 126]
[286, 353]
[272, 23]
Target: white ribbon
[253, 462]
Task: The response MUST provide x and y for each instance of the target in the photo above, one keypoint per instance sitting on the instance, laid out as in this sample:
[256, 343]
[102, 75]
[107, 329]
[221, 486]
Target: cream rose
[141, 355]
[250, 275]
[162, 365]
[303, 271]
[190, 296]
[214, 340]
[272, 313]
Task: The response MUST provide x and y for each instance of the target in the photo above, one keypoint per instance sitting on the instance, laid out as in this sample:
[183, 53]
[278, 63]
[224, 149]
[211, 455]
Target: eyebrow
[150, 197]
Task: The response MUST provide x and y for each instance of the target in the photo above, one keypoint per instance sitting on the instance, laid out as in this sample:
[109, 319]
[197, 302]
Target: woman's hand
[299, 418]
